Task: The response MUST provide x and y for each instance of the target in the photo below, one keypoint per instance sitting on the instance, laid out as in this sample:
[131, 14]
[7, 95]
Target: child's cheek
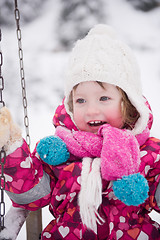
[115, 119]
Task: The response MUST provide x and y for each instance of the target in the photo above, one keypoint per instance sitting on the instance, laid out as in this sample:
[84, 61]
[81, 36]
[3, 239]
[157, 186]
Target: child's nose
[92, 110]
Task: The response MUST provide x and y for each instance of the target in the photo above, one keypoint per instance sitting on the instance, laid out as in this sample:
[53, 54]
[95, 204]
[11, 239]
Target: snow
[44, 68]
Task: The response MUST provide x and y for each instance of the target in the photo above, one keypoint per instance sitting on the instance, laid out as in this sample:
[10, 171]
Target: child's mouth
[96, 123]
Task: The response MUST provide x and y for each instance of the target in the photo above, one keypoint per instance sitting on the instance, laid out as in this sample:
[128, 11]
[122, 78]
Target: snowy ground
[44, 68]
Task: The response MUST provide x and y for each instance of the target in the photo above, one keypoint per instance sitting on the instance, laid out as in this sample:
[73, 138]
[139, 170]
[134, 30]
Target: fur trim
[10, 133]
[10, 148]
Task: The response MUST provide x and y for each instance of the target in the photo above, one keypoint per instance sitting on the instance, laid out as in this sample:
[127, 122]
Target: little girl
[87, 173]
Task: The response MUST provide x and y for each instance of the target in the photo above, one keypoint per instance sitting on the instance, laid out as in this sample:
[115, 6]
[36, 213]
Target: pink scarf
[118, 148]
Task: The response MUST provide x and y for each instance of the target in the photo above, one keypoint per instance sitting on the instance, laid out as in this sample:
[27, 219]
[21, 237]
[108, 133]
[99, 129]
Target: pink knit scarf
[117, 148]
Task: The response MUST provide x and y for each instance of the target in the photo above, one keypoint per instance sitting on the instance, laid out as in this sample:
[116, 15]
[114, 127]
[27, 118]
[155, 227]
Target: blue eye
[104, 98]
[80, 100]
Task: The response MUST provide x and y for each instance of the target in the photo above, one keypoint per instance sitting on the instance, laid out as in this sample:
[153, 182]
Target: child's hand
[52, 150]
[9, 131]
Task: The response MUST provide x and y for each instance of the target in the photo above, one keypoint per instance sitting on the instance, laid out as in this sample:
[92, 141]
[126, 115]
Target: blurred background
[49, 31]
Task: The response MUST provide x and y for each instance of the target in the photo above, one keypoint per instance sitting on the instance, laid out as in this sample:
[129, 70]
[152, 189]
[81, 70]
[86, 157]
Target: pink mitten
[120, 155]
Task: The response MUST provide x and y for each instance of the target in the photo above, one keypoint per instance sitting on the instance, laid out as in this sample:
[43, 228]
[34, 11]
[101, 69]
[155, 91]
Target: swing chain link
[2, 104]
[2, 188]
[1, 77]
[20, 51]
[2, 151]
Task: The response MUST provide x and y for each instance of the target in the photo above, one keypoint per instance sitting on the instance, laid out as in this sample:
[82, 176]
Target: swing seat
[13, 221]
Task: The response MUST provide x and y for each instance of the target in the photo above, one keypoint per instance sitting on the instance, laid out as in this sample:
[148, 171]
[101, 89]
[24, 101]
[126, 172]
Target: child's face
[94, 106]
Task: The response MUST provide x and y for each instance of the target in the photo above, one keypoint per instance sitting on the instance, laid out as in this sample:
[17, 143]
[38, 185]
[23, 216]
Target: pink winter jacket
[33, 184]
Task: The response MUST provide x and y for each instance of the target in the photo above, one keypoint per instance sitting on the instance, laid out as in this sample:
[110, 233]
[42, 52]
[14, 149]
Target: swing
[34, 219]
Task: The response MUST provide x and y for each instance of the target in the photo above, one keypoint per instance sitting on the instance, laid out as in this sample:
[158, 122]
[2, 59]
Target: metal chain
[1, 77]
[2, 104]
[20, 51]
[2, 188]
[34, 220]
[2, 151]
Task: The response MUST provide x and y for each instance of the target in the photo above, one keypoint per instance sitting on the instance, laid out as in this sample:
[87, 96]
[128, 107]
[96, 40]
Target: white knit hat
[101, 56]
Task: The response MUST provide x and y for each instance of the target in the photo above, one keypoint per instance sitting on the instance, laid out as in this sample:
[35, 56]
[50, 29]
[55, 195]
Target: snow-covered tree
[145, 5]
[76, 18]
